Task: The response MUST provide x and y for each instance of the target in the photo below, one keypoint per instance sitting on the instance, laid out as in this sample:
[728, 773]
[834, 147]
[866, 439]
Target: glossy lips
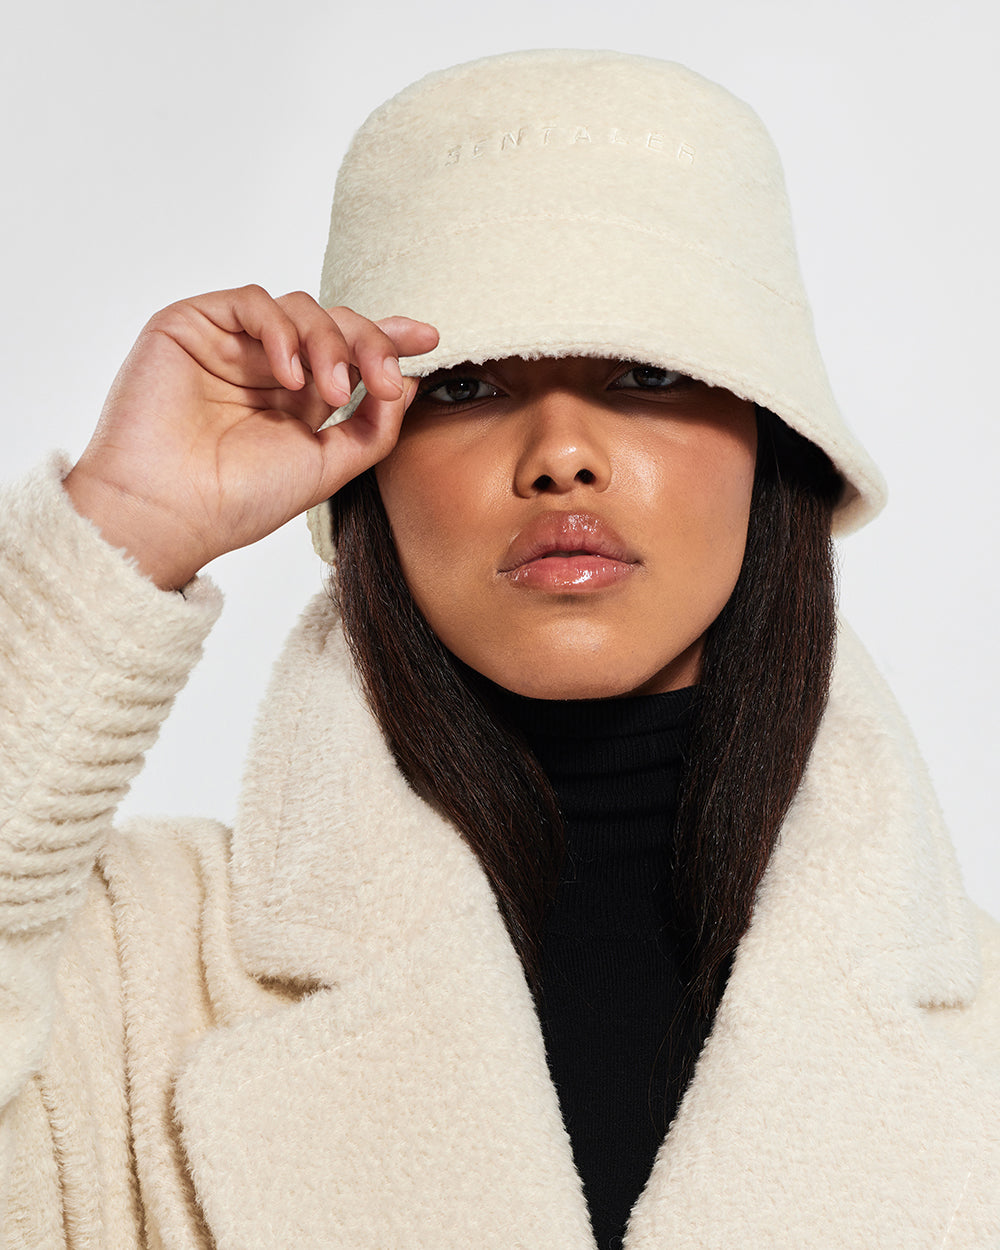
[567, 551]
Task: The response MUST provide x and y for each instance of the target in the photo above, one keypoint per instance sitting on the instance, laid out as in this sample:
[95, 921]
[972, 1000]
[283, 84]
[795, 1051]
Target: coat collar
[405, 1099]
[333, 852]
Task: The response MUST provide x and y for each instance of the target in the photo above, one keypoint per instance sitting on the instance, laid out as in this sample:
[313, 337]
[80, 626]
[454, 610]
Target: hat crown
[550, 203]
[581, 131]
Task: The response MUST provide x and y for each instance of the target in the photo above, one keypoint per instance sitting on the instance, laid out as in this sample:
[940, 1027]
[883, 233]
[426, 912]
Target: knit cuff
[92, 654]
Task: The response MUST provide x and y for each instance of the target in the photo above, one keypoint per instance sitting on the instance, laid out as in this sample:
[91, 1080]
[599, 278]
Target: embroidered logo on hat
[536, 136]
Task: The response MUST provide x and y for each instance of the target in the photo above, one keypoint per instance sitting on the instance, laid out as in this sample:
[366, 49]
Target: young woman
[587, 886]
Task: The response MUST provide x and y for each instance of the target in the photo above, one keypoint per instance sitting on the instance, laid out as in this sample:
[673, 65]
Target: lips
[568, 551]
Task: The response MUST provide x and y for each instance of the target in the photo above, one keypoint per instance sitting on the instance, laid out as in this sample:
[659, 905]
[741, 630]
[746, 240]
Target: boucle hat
[576, 203]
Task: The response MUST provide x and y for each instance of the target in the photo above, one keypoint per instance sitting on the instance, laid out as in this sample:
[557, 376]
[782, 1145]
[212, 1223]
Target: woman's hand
[210, 440]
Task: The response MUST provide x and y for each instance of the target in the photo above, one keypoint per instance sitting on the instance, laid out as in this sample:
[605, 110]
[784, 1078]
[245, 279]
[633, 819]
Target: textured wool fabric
[79, 687]
[555, 203]
[314, 1030]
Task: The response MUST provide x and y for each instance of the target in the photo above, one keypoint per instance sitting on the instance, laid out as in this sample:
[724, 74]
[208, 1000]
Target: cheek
[720, 488]
[703, 510]
[437, 504]
[702, 487]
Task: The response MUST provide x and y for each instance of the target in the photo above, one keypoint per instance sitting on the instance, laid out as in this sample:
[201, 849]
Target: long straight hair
[764, 682]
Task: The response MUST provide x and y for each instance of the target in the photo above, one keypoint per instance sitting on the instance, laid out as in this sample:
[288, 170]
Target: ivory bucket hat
[577, 203]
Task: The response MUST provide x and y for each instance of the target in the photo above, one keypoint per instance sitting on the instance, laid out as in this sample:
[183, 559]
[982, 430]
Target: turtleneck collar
[615, 766]
[609, 760]
[587, 718]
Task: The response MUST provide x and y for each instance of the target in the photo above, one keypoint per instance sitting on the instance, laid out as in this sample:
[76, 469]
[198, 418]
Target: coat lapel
[402, 1096]
[832, 1106]
[403, 1099]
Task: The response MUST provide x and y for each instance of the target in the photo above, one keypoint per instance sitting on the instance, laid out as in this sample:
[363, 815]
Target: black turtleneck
[610, 966]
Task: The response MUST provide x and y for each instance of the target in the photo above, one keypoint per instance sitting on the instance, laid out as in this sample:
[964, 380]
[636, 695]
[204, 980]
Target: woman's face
[571, 527]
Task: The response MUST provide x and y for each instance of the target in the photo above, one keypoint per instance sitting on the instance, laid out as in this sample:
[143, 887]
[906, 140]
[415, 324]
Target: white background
[151, 151]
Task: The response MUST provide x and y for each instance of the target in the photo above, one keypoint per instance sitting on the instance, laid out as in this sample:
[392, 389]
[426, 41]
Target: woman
[569, 801]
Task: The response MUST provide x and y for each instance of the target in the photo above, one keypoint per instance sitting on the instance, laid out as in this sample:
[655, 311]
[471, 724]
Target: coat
[312, 1030]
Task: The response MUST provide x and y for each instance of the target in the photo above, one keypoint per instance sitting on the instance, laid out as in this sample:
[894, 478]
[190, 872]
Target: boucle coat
[314, 1031]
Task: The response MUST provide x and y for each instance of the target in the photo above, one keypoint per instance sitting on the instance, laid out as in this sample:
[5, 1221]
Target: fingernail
[297, 371]
[342, 379]
[391, 373]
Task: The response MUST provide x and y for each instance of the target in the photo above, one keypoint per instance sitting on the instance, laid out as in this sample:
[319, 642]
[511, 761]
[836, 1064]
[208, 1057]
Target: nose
[564, 447]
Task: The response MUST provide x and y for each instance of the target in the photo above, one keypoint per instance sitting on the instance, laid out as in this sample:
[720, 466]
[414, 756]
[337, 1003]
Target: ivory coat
[313, 1030]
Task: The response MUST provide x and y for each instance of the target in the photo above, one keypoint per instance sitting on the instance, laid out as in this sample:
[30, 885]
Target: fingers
[241, 336]
[370, 349]
[340, 347]
[412, 338]
[250, 339]
[323, 346]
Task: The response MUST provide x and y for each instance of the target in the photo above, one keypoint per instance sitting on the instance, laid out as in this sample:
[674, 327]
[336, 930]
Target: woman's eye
[648, 378]
[457, 390]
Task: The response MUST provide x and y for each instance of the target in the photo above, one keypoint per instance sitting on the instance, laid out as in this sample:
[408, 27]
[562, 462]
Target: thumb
[356, 440]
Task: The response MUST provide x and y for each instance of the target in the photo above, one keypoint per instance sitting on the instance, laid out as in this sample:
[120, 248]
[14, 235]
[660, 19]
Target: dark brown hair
[764, 683]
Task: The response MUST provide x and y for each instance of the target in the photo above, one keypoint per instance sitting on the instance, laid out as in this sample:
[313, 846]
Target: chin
[578, 688]
[587, 681]
[590, 672]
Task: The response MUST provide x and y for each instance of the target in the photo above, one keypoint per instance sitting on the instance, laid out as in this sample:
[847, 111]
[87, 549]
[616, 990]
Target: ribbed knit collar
[618, 751]
[615, 766]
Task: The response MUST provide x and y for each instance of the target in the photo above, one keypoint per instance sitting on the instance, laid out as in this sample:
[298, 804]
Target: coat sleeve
[92, 655]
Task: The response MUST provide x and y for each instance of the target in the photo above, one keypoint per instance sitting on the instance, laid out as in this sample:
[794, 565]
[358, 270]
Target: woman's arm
[208, 441]
[91, 657]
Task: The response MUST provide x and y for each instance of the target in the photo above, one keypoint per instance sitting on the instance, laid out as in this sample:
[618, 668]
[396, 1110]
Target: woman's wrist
[127, 524]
